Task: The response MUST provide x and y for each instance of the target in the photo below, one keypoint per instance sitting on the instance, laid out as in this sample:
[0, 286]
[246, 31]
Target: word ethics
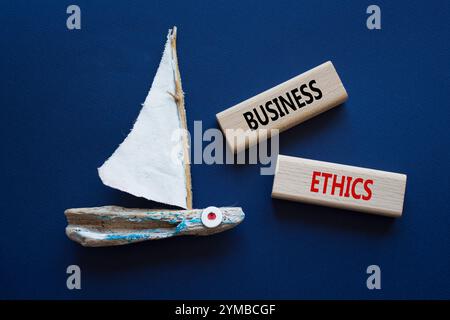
[319, 183]
[340, 186]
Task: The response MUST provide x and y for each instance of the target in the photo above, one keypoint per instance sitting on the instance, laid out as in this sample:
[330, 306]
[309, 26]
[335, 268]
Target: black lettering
[306, 93]
[297, 98]
[284, 102]
[275, 100]
[315, 89]
[252, 124]
[266, 118]
[271, 110]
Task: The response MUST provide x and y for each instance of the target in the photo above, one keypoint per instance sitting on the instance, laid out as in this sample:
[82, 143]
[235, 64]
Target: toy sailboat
[152, 162]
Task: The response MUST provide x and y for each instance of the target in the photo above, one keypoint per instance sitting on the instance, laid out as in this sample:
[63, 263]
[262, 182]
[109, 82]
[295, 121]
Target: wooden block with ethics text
[282, 107]
[341, 186]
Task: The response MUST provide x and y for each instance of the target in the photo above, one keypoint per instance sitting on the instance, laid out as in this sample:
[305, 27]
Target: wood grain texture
[323, 78]
[179, 98]
[341, 186]
[113, 225]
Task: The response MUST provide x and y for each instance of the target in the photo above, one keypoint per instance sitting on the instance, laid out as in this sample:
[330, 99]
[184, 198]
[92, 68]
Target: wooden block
[282, 107]
[340, 186]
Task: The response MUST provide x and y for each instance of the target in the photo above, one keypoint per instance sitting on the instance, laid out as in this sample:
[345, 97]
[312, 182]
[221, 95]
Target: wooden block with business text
[341, 186]
[282, 107]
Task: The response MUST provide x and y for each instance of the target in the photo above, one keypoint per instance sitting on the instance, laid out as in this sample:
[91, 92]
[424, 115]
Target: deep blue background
[68, 98]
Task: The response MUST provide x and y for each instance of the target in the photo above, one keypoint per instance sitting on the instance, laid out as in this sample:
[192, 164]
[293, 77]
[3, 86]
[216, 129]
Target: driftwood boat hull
[113, 225]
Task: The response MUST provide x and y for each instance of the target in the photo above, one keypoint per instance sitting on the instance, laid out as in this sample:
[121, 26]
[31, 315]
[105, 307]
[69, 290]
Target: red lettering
[325, 184]
[338, 185]
[346, 185]
[354, 194]
[367, 189]
[314, 181]
[347, 190]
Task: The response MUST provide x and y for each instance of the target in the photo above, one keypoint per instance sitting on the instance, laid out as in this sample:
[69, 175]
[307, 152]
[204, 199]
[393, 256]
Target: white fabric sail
[144, 165]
